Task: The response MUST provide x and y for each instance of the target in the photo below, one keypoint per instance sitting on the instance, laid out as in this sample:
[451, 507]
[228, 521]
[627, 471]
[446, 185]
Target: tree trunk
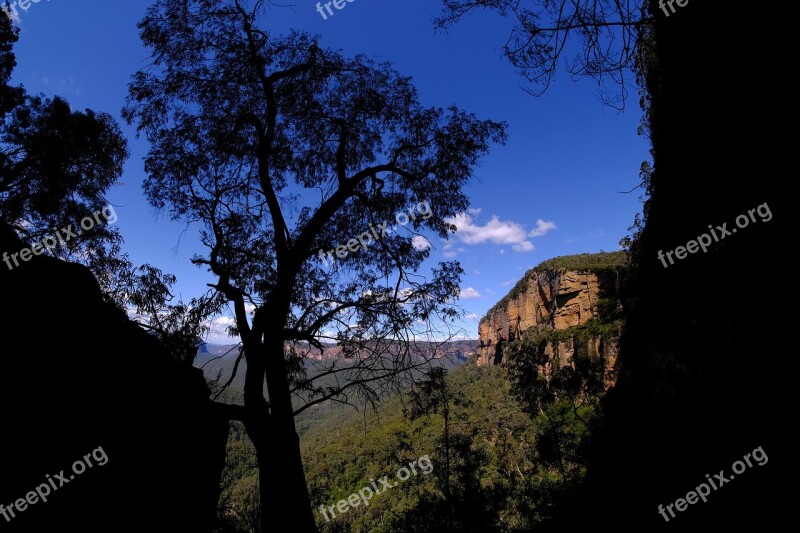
[447, 461]
[283, 488]
[446, 450]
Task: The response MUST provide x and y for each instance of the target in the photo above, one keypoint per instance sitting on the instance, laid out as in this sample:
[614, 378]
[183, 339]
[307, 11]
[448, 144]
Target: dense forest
[508, 468]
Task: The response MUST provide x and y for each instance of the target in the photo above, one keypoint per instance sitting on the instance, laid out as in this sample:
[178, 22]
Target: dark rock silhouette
[707, 360]
[72, 381]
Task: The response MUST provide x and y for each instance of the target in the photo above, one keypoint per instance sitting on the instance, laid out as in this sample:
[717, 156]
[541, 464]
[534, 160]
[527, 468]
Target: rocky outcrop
[73, 384]
[561, 353]
[552, 300]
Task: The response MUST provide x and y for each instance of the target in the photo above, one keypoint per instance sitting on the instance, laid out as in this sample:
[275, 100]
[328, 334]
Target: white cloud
[498, 231]
[223, 321]
[475, 211]
[469, 293]
[452, 253]
[470, 316]
[507, 282]
[420, 243]
[542, 227]
[218, 329]
[477, 272]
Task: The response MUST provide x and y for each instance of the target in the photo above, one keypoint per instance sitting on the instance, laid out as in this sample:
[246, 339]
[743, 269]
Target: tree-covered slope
[497, 469]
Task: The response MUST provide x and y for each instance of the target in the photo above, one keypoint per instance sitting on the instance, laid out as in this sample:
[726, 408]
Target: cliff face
[552, 300]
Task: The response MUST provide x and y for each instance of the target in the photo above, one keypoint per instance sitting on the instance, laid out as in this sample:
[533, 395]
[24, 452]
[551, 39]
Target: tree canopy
[279, 149]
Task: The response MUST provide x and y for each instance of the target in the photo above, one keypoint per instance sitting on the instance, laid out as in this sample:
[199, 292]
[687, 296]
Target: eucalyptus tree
[278, 151]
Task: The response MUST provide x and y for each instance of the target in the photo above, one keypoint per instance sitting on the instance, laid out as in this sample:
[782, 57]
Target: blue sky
[554, 189]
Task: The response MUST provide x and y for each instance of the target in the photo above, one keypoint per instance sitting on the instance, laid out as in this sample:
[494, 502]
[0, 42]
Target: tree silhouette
[431, 396]
[147, 292]
[56, 164]
[280, 151]
[468, 496]
[609, 35]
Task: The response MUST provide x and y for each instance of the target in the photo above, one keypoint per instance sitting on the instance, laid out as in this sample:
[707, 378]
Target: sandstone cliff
[554, 297]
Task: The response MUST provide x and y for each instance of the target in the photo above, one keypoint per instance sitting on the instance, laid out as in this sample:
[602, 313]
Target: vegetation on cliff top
[599, 262]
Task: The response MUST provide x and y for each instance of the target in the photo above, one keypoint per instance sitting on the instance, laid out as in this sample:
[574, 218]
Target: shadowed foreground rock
[78, 375]
[708, 358]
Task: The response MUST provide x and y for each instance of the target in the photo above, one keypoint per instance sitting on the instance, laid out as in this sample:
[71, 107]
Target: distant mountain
[218, 360]
[208, 351]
